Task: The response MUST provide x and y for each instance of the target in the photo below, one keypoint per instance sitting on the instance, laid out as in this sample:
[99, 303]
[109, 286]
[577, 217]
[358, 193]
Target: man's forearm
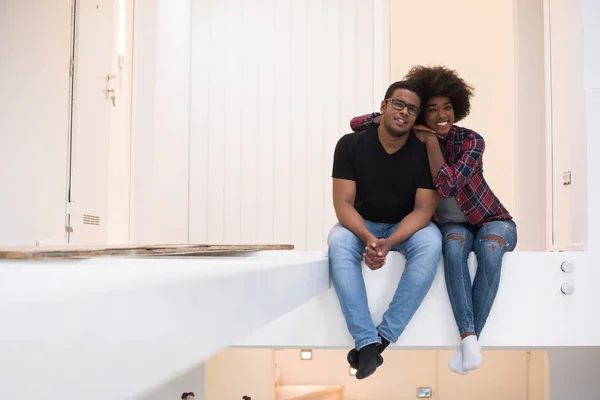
[351, 219]
[416, 220]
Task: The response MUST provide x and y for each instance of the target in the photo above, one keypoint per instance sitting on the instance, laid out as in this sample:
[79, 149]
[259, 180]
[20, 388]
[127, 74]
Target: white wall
[119, 162]
[539, 382]
[591, 14]
[161, 109]
[588, 363]
[35, 121]
[480, 44]
[568, 121]
[531, 161]
[398, 378]
[504, 375]
[34, 77]
[273, 86]
[245, 155]
[193, 380]
[574, 373]
[232, 374]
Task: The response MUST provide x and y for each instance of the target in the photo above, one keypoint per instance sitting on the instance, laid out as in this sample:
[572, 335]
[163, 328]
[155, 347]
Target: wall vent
[91, 219]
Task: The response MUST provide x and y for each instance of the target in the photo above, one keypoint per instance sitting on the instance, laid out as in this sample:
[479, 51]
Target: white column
[591, 29]
[574, 371]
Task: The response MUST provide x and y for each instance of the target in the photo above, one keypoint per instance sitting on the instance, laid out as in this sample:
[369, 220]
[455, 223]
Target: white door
[567, 122]
[93, 82]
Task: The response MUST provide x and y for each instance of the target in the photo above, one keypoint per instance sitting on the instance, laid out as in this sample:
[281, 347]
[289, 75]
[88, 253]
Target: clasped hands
[375, 253]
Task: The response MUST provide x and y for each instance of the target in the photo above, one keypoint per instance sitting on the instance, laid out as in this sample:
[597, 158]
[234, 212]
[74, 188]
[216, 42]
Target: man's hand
[375, 253]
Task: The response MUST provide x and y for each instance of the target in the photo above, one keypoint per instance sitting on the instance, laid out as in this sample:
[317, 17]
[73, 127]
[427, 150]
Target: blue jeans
[422, 251]
[472, 304]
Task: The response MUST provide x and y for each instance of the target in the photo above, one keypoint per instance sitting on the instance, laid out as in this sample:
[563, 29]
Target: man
[384, 200]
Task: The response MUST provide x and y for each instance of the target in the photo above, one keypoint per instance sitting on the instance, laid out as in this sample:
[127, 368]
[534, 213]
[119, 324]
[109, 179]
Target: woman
[469, 215]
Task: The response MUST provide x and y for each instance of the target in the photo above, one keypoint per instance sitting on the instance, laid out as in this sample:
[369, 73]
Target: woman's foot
[471, 353]
[456, 362]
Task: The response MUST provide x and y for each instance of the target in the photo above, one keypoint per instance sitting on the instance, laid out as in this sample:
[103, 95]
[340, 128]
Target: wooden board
[67, 251]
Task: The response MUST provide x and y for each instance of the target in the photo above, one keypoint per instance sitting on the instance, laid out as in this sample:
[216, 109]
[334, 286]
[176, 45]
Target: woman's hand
[425, 134]
[422, 128]
[426, 137]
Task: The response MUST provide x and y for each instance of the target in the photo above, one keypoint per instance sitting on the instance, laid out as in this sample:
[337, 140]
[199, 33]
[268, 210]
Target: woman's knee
[498, 235]
[455, 247]
[490, 249]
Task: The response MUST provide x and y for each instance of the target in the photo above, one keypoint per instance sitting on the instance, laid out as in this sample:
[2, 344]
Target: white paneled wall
[274, 85]
[161, 121]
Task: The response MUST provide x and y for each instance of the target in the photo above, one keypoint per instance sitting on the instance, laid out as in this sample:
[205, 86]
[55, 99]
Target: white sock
[471, 353]
[456, 362]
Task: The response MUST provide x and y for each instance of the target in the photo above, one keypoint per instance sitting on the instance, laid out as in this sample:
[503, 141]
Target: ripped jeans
[472, 304]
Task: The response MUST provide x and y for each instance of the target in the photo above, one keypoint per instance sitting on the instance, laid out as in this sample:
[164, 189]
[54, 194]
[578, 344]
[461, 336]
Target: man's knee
[339, 235]
[342, 241]
[430, 239]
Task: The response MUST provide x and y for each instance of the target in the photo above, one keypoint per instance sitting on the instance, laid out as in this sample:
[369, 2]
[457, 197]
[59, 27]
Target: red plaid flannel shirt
[462, 177]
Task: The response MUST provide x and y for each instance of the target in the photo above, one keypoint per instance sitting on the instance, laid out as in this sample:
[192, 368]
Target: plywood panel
[66, 252]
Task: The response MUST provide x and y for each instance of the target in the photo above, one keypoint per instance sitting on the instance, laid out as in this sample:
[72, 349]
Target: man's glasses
[399, 105]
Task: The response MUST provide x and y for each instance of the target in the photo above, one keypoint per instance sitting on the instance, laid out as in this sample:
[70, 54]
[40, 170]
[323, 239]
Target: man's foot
[370, 359]
[471, 353]
[456, 362]
[353, 358]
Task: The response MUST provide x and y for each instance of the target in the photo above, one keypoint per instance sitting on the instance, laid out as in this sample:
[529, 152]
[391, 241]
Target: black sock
[353, 354]
[369, 359]
[384, 344]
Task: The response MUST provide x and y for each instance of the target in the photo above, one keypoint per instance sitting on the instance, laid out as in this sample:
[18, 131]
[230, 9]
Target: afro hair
[434, 81]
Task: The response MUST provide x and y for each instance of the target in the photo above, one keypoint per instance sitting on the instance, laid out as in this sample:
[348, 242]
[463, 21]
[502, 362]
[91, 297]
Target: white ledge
[115, 328]
[530, 311]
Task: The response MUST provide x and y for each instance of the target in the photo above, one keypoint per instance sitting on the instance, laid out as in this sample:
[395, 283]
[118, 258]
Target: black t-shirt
[386, 184]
